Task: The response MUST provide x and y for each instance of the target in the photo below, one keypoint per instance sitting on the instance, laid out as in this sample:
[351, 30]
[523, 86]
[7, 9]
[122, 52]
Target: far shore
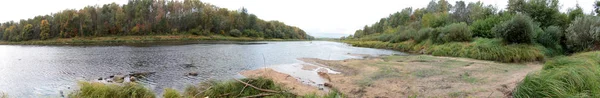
[146, 39]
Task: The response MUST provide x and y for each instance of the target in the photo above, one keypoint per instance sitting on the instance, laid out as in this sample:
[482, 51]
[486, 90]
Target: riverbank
[144, 39]
[411, 76]
[480, 48]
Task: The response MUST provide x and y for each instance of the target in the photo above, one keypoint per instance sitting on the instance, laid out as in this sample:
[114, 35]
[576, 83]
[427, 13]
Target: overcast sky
[320, 18]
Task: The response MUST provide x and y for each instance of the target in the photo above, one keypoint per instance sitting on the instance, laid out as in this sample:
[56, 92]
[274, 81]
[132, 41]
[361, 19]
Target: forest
[148, 17]
[526, 31]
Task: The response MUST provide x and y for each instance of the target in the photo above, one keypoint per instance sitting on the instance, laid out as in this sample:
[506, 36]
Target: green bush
[519, 29]
[550, 37]
[235, 33]
[584, 34]
[483, 28]
[403, 35]
[423, 34]
[171, 93]
[457, 32]
[101, 90]
[577, 76]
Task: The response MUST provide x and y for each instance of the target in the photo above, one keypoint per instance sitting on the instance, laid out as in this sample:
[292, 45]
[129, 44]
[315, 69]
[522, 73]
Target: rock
[100, 79]
[328, 85]
[132, 79]
[119, 78]
[192, 74]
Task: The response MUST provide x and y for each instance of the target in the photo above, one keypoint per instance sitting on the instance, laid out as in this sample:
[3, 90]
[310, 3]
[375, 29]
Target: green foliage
[423, 34]
[150, 17]
[457, 32]
[490, 49]
[435, 20]
[235, 33]
[480, 48]
[573, 76]
[483, 28]
[519, 29]
[171, 93]
[100, 90]
[584, 34]
[550, 38]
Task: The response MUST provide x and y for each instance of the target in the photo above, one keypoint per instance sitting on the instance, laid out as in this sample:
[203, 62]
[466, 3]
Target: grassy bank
[136, 40]
[480, 48]
[249, 87]
[574, 76]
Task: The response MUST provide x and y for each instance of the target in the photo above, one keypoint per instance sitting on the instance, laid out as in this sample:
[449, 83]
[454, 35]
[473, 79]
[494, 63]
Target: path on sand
[415, 75]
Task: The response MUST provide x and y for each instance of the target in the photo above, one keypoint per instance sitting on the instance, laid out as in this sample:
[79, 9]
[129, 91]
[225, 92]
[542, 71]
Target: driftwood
[260, 89]
[259, 95]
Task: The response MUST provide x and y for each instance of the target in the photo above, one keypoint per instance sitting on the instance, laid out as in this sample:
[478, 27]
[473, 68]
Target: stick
[243, 88]
[259, 95]
[260, 89]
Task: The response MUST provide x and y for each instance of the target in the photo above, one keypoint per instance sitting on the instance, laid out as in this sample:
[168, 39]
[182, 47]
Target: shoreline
[144, 39]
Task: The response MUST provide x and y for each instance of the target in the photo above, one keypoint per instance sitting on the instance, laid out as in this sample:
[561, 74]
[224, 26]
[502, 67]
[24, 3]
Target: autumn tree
[45, 30]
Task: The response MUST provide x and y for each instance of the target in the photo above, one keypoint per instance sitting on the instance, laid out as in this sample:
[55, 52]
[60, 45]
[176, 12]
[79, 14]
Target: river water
[48, 71]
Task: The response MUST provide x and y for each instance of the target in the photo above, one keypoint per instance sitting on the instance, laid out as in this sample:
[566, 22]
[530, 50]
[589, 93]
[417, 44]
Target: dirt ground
[411, 76]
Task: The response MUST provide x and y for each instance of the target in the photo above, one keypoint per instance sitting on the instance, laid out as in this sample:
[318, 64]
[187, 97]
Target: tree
[575, 12]
[597, 8]
[461, 13]
[515, 6]
[26, 32]
[45, 29]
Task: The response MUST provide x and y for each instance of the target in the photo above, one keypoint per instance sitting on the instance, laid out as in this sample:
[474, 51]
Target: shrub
[519, 29]
[584, 34]
[101, 90]
[457, 32]
[423, 34]
[195, 31]
[483, 28]
[550, 37]
[235, 33]
[403, 35]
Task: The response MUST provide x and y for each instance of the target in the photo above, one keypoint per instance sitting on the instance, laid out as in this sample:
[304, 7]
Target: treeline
[536, 22]
[148, 17]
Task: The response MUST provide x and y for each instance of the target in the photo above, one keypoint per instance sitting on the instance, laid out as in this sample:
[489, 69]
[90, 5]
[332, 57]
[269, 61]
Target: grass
[212, 89]
[385, 71]
[574, 76]
[136, 39]
[480, 48]
[100, 90]
[171, 93]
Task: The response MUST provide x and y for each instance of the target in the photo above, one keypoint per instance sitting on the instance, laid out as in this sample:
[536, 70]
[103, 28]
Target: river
[48, 71]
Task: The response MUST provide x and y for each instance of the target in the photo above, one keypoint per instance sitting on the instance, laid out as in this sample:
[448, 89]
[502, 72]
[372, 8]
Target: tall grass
[101, 90]
[211, 89]
[480, 48]
[574, 76]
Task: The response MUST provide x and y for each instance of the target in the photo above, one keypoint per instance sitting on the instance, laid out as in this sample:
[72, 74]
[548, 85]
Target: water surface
[34, 71]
